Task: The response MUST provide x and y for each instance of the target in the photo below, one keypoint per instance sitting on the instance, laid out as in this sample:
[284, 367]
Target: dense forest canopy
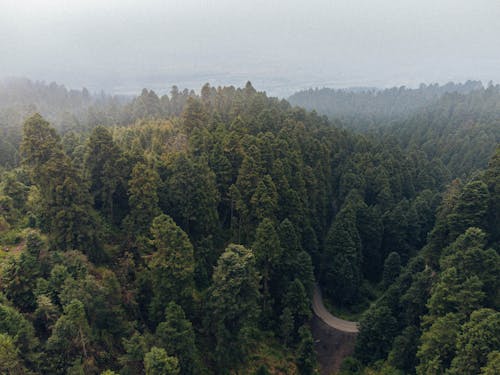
[459, 124]
[184, 234]
[360, 106]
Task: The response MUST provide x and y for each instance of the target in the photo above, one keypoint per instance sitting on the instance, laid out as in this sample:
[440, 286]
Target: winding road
[321, 312]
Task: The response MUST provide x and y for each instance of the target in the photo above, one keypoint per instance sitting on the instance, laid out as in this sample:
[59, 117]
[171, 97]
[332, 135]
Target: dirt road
[330, 320]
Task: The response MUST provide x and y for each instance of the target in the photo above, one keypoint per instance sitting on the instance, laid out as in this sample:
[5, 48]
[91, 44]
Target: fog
[280, 45]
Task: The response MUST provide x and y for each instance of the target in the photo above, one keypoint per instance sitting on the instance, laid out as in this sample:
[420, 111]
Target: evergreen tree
[157, 362]
[143, 199]
[479, 337]
[267, 252]
[103, 170]
[392, 268]
[176, 335]
[67, 214]
[234, 306]
[171, 265]
[342, 258]
[306, 358]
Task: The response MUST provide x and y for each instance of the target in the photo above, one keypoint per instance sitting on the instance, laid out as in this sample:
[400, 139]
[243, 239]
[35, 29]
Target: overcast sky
[280, 45]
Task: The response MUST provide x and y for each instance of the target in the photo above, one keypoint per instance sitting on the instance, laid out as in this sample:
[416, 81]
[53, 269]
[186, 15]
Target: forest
[185, 233]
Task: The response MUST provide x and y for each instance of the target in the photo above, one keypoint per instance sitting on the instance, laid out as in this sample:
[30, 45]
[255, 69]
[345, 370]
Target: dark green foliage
[350, 366]
[492, 180]
[471, 208]
[268, 254]
[287, 325]
[437, 345]
[171, 266]
[19, 275]
[21, 331]
[306, 358]
[189, 194]
[342, 258]
[378, 327]
[104, 169]
[177, 337]
[189, 174]
[234, 309]
[404, 350]
[66, 204]
[392, 268]
[298, 302]
[70, 339]
[479, 337]
[135, 349]
[143, 199]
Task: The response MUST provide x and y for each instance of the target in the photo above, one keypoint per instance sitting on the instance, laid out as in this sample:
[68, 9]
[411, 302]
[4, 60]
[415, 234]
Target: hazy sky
[280, 45]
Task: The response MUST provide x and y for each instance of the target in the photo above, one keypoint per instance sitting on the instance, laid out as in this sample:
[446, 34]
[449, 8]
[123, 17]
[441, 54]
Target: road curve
[329, 319]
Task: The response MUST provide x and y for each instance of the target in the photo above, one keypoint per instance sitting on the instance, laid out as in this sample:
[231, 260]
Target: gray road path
[334, 322]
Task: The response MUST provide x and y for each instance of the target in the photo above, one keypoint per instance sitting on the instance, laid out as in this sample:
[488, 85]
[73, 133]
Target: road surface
[329, 319]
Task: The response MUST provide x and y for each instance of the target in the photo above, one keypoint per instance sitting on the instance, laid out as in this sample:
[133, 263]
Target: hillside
[186, 232]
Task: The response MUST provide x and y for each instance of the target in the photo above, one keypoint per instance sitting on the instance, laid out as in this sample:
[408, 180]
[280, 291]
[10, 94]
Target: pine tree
[234, 305]
[171, 265]
[342, 258]
[176, 335]
[143, 199]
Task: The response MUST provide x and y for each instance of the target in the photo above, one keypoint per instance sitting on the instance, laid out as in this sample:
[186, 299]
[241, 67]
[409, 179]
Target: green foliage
[378, 328]
[153, 204]
[392, 268]
[189, 194]
[135, 350]
[157, 362]
[437, 347]
[171, 266]
[471, 208]
[306, 357]
[104, 170]
[297, 300]
[287, 325]
[19, 275]
[404, 350]
[13, 324]
[479, 337]
[143, 199]
[350, 366]
[66, 204]
[268, 253]
[176, 335]
[493, 365]
[342, 258]
[9, 356]
[234, 307]
[70, 337]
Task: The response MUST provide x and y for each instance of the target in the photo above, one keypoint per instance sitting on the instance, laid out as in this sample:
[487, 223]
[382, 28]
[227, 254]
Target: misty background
[281, 46]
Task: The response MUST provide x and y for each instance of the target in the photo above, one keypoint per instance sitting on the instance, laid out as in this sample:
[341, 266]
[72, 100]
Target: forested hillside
[183, 234]
[441, 313]
[74, 110]
[365, 107]
[457, 124]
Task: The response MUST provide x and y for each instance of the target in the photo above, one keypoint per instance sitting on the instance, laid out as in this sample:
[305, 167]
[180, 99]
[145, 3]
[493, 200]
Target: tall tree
[103, 170]
[143, 199]
[342, 258]
[67, 212]
[157, 362]
[171, 265]
[176, 335]
[234, 305]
